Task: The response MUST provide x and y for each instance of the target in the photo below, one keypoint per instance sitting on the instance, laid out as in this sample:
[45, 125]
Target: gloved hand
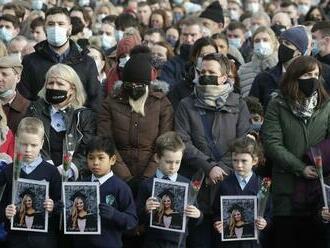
[106, 211]
[72, 172]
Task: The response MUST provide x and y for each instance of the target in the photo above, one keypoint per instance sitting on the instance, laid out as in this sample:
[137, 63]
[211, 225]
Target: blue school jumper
[157, 237]
[231, 186]
[44, 171]
[124, 217]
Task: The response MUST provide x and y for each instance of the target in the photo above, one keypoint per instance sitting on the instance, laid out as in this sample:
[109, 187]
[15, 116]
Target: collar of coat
[76, 54]
[232, 104]
[19, 104]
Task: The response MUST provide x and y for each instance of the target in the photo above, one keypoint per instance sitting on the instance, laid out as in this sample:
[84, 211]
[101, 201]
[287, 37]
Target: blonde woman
[61, 110]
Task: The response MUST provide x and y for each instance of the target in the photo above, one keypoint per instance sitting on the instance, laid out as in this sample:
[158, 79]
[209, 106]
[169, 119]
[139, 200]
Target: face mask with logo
[262, 49]
[308, 86]
[5, 35]
[57, 36]
[208, 80]
[234, 15]
[252, 7]
[135, 91]
[303, 9]
[235, 42]
[107, 41]
[54, 96]
[119, 35]
[285, 53]
[123, 61]
[37, 4]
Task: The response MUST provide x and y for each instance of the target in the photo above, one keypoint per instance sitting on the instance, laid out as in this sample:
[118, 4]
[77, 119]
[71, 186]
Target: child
[245, 155]
[256, 111]
[117, 207]
[30, 135]
[169, 150]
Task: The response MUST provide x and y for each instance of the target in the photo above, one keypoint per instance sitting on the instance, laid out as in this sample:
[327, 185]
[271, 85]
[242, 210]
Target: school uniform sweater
[145, 191]
[123, 218]
[44, 171]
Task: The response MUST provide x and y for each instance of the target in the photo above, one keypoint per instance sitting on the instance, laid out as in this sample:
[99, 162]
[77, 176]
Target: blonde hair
[68, 74]
[22, 209]
[31, 125]
[270, 32]
[75, 212]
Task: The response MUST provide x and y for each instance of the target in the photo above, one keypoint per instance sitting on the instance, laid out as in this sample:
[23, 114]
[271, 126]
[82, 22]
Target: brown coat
[133, 134]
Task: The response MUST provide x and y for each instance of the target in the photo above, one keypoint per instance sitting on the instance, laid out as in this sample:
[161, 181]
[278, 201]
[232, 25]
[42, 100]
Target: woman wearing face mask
[265, 46]
[61, 110]
[296, 119]
[124, 47]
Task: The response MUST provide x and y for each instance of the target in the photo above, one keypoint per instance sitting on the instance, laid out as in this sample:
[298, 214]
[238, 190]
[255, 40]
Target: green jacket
[286, 139]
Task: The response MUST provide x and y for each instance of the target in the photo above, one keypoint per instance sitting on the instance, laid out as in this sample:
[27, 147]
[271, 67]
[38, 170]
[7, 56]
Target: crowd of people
[162, 89]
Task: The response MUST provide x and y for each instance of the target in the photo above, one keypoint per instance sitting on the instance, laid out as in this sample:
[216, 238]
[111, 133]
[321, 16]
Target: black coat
[91, 224]
[36, 65]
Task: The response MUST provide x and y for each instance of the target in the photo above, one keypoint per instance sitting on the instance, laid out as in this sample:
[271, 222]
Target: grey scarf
[305, 109]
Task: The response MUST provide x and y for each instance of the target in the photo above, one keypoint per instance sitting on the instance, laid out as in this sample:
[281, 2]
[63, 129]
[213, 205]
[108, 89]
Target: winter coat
[286, 139]
[133, 134]
[36, 65]
[79, 122]
[249, 71]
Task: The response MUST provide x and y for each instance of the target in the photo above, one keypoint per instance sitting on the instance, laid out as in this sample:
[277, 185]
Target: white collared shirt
[57, 120]
[29, 167]
[240, 180]
[160, 175]
[103, 179]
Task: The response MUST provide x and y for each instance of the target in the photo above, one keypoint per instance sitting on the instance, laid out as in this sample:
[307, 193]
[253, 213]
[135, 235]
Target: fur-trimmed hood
[155, 86]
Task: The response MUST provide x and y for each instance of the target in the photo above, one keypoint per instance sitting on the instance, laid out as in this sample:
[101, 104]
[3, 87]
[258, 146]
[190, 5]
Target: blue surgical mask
[119, 35]
[303, 9]
[256, 126]
[171, 40]
[3, 2]
[315, 47]
[83, 3]
[5, 35]
[177, 2]
[37, 4]
[253, 7]
[107, 41]
[235, 42]
[123, 61]
[177, 17]
[57, 36]
[262, 49]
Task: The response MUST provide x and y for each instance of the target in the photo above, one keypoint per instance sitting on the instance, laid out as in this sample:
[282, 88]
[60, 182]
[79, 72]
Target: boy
[117, 207]
[30, 135]
[169, 150]
[256, 111]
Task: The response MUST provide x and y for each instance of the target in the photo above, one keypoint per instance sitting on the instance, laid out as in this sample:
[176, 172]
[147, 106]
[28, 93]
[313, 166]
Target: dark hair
[86, 16]
[109, 19]
[220, 36]
[102, 144]
[18, 9]
[37, 22]
[289, 84]
[10, 18]
[155, 30]
[143, 4]
[140, 49]
[169, 141]
[225, 67]
[199, 44]
[286, 4]
[308, 15]
[254, 105]
[104, 57]
[162, 13]
[236, 25]
[247, 145]
[77, 25]
[57, 10]
[169, 49]
[322, 26]
[126, 20]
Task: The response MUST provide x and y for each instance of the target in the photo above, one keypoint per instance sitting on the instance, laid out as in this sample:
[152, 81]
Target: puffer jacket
[286, 139]
[135, 135]
[79, 122]
[249, 71]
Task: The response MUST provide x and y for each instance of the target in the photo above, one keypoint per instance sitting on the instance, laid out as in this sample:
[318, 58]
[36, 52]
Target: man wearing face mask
[59, 48]
[9, 27]
[13, 103]
[134, 115]
[293, 43]
[124, 47]
[208, 120]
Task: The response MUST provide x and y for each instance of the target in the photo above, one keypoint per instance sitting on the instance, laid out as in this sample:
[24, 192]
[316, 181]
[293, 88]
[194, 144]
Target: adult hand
[152, 203]
[325, 214]
[261, 223]
[49, 205]
[218, 226]
[10, 211]
[216, 174]
[192, 212]
[310, 172]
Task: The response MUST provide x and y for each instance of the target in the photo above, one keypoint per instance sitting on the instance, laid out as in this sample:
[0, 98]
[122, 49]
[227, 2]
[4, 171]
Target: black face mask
[185, 51]
[278, 29]
[135, 91]
[56, 96]
[308, 86]
[285, 53]
[208, 80]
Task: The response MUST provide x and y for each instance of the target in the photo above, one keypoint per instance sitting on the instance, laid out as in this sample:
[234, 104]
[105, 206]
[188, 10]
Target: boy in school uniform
[117, 208]
[169, 151]
[30, 135]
